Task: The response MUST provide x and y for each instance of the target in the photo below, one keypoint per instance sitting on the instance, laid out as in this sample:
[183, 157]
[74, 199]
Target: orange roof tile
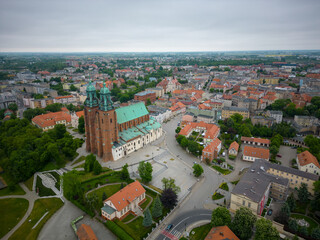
[257, 140]
[85, 232]
[212, 146]
[80, 113]
[60, 97]
[50, 119]
[306, 158]
[221, 233]
[234, 145]
[126, 195]
[256, 152]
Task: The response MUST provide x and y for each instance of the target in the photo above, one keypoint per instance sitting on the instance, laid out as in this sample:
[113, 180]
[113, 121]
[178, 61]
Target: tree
[178, 129]
[246, 132]
[104, 196]
[316, 233]
[59, 130]
[265, 230]
[197, 170]
[157, 208]
[13, 107]
[293, 225]
[96, 168]
[73, 88]
[148, 102]
[274, 150]
[81, 127]
[193, 147]
[55, 107]
[72, 186]
[184, 142]
[124, 174]
[220, 217]
[303, 193]
[243, 223]
[291, 202]
[89, 162]
[145, 171]
[170, 183]
[169, 198]
[237, 118]
[147, 220]
[304, 230]
[284, 214]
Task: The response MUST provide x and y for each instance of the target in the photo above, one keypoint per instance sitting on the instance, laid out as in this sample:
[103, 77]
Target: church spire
[106, 103]
[92, 100]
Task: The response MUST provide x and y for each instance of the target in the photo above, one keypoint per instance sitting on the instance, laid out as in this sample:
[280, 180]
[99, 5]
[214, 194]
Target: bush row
[118, 231]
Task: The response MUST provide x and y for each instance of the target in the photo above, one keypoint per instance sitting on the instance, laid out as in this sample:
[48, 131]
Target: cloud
[166, 25]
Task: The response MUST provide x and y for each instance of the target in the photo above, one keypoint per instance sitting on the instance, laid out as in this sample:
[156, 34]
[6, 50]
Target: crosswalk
[173, 235]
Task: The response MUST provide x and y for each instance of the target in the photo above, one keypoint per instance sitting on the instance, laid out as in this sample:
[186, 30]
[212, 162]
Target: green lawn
[11, 212]
[109, 190]
[144, 205]
[12, 189]
[222, 170]
[41, 206]
[80, 159]
[43, 191]
[224, 186]
[57, 177]
[313, 223]
[200, 232]
[113, 177]
[29, 183]
[128, 218]
[217, 196]
[135, 228]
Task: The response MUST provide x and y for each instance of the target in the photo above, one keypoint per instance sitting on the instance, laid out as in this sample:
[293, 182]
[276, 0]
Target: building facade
[144, 96]
[308, 163]
[114, 133]
[229, 111]
[124, 202]
[250, 154]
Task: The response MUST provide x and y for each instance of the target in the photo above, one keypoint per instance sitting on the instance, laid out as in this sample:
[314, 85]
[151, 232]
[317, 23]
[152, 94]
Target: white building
[308, 163]
[277, 115]
[250, 154]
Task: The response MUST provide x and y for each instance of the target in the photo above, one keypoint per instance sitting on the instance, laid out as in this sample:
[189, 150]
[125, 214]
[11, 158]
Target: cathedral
[114, 133]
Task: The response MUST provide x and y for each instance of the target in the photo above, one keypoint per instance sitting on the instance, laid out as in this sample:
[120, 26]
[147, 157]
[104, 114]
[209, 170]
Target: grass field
[43, 191]
[135, 228]
[29, 183]
[221, 170]
[200, 232]
[128, 218]
[12, 189]
[312, 223]
[80, 159]
[224, 186]
[109, 190]
[41, 206]
[11, 212]
[144, 205]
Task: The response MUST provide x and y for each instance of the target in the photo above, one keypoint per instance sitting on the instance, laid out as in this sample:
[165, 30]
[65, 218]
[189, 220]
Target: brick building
[144, 96]
[114, 133]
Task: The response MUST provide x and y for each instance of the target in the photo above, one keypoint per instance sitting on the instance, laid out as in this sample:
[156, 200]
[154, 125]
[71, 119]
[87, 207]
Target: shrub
[232, 157]
[116, 230]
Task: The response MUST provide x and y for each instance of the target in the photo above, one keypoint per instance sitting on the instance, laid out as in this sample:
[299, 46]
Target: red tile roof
[60, 97]
[256, 152]
[50, 119]
[126, 195]
[85, 232]
[221, 233]
[234, 145]
[80, 113]
[257, 140]
[212, 130]
[211, 147]
[306, 158]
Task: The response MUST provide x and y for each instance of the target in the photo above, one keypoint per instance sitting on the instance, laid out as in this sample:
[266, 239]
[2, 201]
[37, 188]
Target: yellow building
[266, 80]
[229, 111]
[264, 180]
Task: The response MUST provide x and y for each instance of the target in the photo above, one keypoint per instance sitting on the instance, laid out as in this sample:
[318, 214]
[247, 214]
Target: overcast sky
[158, 25]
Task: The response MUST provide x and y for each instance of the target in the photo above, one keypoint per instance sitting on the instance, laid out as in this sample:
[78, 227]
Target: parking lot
[287, 154]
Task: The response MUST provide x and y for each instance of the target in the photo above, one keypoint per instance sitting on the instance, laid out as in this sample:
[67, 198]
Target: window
[249, 205]
[243, 202]
[110, 120]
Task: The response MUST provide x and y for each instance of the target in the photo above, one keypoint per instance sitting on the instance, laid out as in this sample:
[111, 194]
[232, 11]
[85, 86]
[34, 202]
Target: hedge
[119, 232]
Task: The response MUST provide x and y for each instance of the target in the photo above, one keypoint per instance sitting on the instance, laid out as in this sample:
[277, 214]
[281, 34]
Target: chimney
[221, 233]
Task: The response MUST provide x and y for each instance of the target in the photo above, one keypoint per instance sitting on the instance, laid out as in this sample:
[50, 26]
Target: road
[199, 201]
[181, 222]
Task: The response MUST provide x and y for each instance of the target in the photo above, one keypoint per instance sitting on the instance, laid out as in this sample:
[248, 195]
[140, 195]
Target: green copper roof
[90, 87]
[108, 209]
[104, 89]
[128, 113]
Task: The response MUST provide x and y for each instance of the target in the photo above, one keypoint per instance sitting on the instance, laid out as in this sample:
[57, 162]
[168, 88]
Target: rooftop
[256, 152]
[221, 233]
[306, 158]
[131, 112]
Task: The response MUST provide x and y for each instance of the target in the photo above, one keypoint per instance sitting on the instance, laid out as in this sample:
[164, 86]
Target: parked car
[169, 227]
[278, 155]
[269, 212]
[294, 147]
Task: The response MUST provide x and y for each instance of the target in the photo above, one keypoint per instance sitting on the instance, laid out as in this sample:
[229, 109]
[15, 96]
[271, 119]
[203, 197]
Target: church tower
[106, 125]
[91, 106]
